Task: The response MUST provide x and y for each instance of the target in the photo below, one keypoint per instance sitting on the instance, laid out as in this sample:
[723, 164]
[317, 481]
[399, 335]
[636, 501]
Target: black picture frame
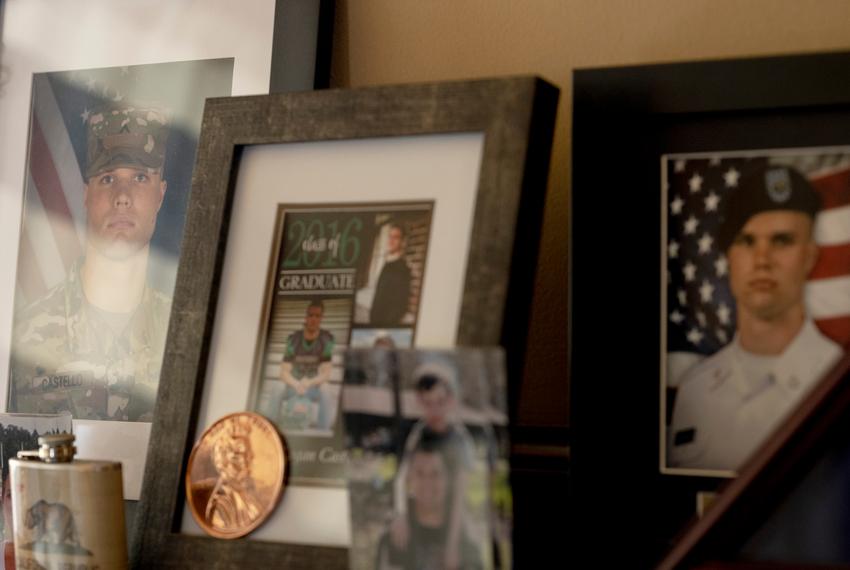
[624, 120]
[516, 117]
[302, 45]
[817, 428]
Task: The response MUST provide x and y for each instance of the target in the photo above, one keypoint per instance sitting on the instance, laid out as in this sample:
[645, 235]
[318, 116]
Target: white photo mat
[440, 167]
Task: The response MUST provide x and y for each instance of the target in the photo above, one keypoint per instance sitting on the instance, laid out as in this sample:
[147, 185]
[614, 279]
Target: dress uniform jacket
[720, 416]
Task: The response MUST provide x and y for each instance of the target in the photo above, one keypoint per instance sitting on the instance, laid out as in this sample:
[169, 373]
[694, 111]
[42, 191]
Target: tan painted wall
[398, 41]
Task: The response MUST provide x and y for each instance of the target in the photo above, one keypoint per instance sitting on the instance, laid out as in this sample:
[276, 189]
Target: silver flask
[67, 514]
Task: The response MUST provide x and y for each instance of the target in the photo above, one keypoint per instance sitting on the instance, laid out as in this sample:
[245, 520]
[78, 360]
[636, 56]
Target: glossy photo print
[756, 309]
[336, 271]
[428, 474]
[109, 167]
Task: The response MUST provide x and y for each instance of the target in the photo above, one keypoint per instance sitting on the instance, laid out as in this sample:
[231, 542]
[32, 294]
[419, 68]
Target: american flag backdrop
[700, 309]
[54, 218]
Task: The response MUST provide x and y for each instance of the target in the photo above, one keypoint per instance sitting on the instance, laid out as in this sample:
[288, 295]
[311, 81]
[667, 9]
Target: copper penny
[236, 475]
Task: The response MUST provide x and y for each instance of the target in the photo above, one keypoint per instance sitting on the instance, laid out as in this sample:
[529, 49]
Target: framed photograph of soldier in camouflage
[321, 221]
[64, 63]
[108, 174]
[330, 262]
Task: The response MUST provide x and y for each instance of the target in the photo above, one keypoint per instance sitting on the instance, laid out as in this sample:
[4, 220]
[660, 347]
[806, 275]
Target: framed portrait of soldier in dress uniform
[723, 217]
[756, 310]
[339, 224]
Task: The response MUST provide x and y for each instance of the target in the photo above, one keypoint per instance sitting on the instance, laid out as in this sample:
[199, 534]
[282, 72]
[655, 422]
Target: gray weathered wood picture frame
[516, 117]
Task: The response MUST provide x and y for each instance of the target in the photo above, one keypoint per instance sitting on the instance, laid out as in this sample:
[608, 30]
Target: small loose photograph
[756, 308]
[427, 471]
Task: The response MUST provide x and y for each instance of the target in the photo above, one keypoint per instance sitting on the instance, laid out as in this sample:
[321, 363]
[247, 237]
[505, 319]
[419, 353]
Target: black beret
[770, 187]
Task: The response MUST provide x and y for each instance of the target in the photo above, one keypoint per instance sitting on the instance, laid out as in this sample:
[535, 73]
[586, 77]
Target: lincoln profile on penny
[232, 504]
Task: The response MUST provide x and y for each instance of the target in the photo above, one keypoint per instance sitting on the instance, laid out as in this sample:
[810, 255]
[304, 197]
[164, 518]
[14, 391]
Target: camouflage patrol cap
[768, 188]
[132, 136]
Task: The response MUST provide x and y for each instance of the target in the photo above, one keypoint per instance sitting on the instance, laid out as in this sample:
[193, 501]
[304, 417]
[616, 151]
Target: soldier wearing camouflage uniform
[93, 345]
